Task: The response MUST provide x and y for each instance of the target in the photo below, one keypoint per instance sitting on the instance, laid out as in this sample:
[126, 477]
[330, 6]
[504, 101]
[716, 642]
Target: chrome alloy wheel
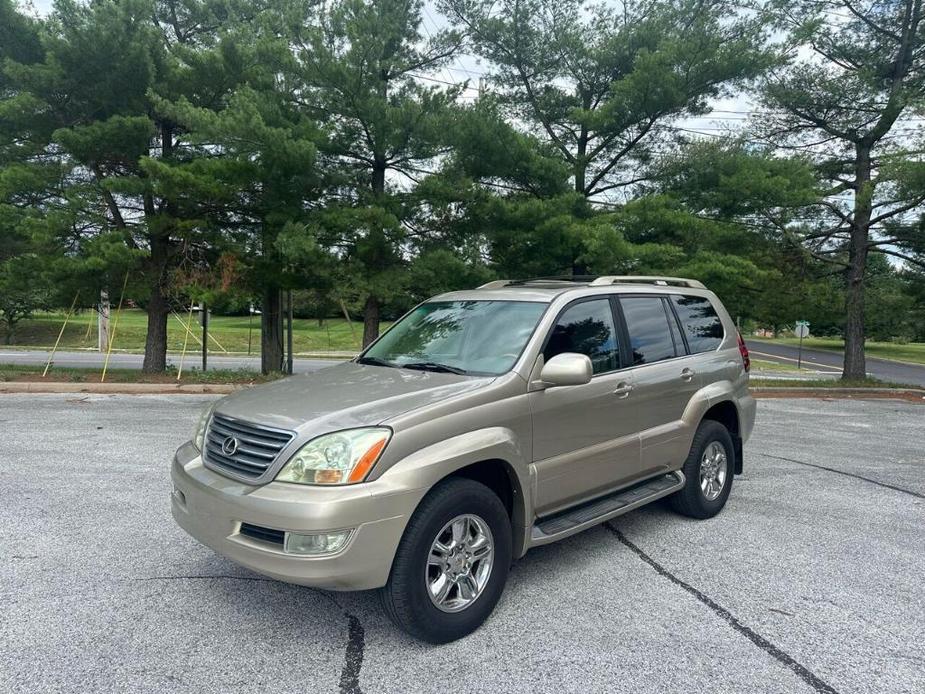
[459, 563]
[713, 470]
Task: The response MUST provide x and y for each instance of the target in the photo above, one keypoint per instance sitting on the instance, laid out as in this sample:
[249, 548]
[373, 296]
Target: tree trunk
[370, 320]
[581, 163]
[271, 331]
[855, 366]
[371, 309]
[155, 360]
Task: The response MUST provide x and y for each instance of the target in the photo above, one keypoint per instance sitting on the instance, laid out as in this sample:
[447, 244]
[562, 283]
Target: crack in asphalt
[800, 670]
[846, 474]
[353, 654]
[356, 635]
[353, 657]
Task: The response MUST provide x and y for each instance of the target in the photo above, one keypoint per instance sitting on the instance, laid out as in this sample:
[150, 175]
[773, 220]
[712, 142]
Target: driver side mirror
[566, 369]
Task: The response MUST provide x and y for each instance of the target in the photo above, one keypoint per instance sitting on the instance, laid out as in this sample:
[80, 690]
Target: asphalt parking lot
[810, 580]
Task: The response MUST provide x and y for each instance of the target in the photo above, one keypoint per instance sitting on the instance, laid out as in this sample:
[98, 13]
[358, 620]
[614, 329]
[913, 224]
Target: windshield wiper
[376, 361]
[434, 366]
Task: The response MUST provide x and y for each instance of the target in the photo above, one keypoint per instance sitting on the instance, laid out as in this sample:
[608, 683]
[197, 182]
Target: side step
[589, 513]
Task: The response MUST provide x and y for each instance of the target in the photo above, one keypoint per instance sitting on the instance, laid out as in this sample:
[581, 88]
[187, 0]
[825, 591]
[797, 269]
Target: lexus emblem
[230, 446]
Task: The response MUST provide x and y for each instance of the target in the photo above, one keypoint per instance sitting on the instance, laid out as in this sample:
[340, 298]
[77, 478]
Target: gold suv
[481, 424]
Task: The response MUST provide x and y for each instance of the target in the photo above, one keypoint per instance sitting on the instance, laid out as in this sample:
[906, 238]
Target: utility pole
[103, 321]
[250, 328]
[289, 332]
[204, 315]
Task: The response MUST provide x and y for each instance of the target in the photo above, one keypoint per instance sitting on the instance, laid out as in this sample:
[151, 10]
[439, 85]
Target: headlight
[199, 433]
[344, 457]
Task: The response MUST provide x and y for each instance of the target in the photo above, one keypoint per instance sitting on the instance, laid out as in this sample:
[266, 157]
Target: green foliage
[596, 81]
[225, 150]
[23, 290]
[845, 99]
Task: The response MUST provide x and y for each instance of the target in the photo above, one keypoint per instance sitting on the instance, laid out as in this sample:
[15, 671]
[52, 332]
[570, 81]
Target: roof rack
[646, 279]
[601, 281]
[497, 284]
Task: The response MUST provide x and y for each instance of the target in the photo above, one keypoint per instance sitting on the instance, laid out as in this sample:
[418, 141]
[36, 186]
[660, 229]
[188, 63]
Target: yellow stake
[189, 332]
[112, 333]
[185, 338]
[89, 324]
[193, 335]
[63, 326]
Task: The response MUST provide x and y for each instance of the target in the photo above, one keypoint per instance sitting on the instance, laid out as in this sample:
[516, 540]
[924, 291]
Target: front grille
[254, 449]
[257, 532]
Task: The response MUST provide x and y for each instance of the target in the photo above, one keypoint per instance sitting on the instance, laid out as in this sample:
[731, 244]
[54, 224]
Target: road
[810, 579]
[118, 360]
[831, 362]
[828, 362]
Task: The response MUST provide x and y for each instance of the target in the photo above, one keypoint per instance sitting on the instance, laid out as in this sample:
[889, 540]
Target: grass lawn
[912, 351]
[73, 375]
[231, 332]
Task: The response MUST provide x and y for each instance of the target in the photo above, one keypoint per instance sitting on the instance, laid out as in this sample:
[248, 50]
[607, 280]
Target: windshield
[482, 338]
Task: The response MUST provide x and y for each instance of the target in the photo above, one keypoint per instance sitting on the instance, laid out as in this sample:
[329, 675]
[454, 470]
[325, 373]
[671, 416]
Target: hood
[343, 396]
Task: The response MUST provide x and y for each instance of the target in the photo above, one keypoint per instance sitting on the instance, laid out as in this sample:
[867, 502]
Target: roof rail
[495, 284]
[645, 279]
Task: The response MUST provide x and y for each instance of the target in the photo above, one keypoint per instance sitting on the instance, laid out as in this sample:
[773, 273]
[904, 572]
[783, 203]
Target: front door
[585, 437]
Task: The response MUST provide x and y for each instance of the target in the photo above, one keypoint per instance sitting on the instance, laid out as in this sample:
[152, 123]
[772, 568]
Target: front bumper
[211, 508]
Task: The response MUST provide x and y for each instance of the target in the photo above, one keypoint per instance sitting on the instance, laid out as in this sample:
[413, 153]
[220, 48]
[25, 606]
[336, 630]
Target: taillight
[743, 350]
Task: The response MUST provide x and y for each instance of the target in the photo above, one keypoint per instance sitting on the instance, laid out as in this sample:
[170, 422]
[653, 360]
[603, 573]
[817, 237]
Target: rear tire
[408, 599]
[709, 469]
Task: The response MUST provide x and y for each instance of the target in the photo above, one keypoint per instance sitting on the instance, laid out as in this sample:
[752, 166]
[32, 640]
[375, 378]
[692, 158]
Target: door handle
[687, 374]
[623, 390]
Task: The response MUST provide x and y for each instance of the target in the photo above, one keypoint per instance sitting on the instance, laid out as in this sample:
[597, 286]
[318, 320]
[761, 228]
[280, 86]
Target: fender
[708, 397]
[429, 465]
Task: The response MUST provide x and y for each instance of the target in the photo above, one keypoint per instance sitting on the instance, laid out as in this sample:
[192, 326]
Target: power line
[440, 81]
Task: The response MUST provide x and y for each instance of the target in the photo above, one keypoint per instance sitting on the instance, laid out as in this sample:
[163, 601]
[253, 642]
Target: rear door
[585, 439]
[663, 380]
[704, 334]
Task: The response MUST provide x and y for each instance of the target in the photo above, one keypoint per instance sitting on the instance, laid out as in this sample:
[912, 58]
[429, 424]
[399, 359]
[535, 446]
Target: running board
[584, 515]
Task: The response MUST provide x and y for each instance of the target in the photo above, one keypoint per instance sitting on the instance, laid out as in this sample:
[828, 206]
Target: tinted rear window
[650, 332]
[702, 326]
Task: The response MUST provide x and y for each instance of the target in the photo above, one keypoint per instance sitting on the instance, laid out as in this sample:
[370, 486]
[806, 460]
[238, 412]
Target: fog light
[323, 543]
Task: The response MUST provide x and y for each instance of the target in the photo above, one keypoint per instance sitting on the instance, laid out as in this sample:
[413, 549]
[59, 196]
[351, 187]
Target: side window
[702, 326]
[650, 332]
[586, 328]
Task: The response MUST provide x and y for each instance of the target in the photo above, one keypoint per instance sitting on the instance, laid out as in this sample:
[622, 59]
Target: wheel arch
[499, 476]
[726, 413]
[490, 456]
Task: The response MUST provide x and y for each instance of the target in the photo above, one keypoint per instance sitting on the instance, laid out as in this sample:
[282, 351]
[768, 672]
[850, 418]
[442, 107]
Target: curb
[119, 388]
[910, 394]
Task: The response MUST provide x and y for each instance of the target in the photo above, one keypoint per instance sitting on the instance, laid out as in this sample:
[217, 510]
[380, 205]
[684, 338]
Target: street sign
[801, 330]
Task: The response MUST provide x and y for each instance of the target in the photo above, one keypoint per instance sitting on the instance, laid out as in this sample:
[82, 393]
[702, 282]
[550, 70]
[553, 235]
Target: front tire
[709, 470]
[451, 564]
